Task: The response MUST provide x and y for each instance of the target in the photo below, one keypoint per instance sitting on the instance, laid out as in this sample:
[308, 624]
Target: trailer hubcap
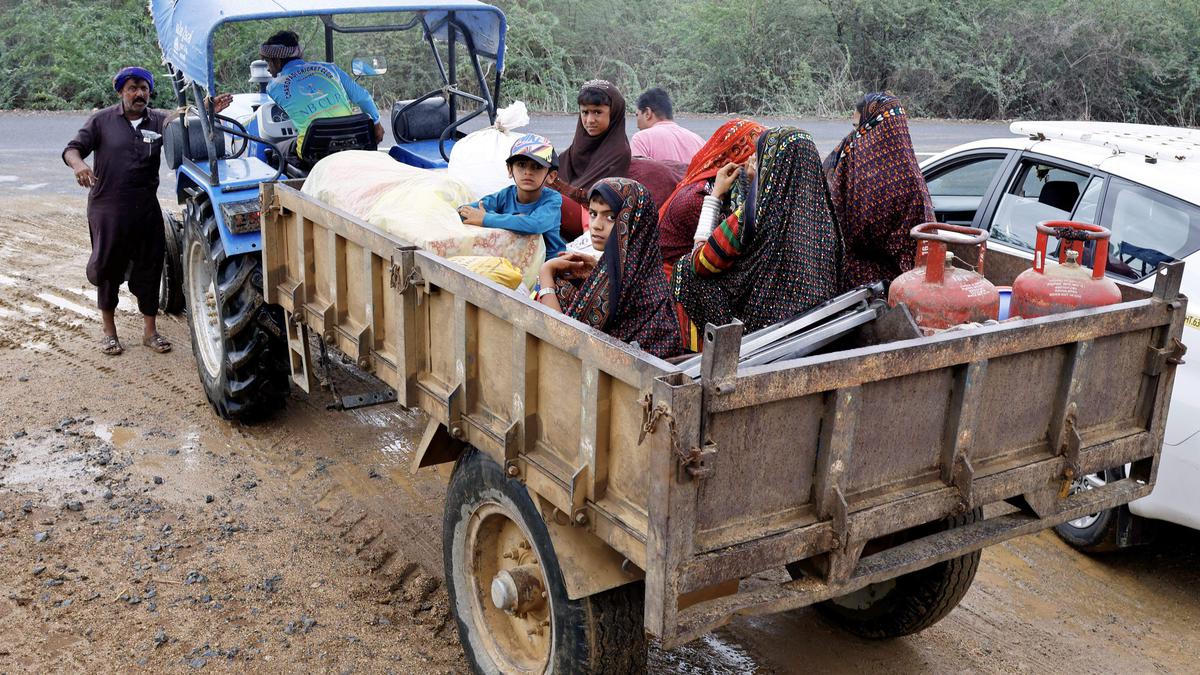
[202, 309]
[509, 599]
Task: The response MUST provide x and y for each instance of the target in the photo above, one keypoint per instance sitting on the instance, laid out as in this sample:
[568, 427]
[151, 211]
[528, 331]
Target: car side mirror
[368, 66]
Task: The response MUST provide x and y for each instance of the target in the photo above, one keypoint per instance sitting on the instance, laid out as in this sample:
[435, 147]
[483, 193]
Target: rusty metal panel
[1110, 399]
[439, 308]
[1016, 423]
[902, 441]
[558, 394]
[493, 392]
[763, 471]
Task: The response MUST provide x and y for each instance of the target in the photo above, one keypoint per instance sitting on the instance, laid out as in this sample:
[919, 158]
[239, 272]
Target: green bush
[1127, 60]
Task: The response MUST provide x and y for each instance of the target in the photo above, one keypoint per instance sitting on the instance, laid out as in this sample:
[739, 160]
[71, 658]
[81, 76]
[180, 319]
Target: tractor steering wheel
[240, 127]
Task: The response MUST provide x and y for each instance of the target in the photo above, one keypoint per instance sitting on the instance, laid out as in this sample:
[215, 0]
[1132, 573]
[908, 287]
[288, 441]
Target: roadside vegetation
[1126, 60]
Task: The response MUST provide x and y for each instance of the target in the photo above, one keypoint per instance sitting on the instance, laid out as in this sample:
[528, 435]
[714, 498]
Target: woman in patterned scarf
[878, 192]
[680, 213]
[624, 293]
[778, 254]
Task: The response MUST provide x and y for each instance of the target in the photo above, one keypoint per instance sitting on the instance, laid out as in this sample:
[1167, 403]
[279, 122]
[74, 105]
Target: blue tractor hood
[185, 27]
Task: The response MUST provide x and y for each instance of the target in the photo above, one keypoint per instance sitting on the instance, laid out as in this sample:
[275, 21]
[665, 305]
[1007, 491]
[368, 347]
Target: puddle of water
[6, 313]
[710, 654]
[42, 464]
[125, 300]
[118, 436]
[36, 346]
[7, 281]
[30, 309]
[70, 306]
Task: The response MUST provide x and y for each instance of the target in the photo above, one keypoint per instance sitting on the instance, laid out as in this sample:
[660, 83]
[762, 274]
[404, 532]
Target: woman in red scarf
[732, 143]
[878, 192]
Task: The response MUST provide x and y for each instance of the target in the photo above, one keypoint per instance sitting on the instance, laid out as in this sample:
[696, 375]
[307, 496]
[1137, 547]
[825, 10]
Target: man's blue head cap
[127, 72]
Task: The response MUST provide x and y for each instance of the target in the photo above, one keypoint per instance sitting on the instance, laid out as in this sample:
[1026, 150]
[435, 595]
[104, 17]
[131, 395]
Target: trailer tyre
[238, 341]
[170, 295]
[498, 553]
[910, 603]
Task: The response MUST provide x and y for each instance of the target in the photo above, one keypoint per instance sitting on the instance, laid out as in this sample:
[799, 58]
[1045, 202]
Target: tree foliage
[1128, 60]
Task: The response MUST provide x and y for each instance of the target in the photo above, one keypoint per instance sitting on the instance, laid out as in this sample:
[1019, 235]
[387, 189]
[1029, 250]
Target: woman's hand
[569, 265]
[725, 178]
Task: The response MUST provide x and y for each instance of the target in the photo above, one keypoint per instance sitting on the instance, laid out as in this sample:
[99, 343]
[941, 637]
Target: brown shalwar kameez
[124, 216]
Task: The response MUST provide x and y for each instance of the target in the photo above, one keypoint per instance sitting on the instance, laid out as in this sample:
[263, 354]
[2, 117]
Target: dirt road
[140, 532]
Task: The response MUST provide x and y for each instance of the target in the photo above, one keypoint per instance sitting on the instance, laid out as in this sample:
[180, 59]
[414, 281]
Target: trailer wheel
[910, 603]
[508, 595]
[170, 294]
[238, 341]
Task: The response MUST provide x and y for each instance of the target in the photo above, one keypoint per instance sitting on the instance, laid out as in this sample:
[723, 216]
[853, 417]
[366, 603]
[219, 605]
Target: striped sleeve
[722, 249]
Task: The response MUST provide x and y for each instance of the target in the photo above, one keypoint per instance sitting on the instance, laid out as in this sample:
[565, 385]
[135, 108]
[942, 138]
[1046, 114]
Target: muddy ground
[139, 532]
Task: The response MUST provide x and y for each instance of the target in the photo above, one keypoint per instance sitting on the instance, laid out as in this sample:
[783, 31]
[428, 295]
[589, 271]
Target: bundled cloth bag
[478, 159]
[498, 269]
[419, 206]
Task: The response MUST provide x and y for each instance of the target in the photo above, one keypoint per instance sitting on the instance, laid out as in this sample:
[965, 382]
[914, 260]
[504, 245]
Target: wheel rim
[1083, 484]
[498, 549]
[202, 308]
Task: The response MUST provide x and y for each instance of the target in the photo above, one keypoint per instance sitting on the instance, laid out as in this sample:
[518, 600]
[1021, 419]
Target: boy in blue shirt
[527, 206]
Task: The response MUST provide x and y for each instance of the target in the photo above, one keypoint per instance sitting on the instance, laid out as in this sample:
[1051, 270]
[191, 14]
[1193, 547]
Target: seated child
[624, 293]
[527, 206]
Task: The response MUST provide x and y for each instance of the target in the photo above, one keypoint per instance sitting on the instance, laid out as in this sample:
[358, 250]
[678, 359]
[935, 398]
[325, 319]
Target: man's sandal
[158, 343]
[111, 346]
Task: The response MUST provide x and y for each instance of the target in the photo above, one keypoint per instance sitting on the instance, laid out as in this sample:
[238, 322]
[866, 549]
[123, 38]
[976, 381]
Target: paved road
[30, 143]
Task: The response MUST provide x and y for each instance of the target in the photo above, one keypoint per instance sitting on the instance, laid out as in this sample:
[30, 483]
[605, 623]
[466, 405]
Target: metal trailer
[600, 493]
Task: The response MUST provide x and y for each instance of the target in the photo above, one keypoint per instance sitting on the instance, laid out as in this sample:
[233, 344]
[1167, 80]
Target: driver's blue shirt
[311, 90]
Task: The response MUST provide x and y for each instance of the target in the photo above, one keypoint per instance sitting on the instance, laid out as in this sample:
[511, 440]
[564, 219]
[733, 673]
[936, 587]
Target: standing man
[660, 137]
[124, 217]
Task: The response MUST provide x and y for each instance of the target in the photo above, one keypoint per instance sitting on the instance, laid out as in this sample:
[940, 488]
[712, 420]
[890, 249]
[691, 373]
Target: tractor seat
[328, 135]
[417, 131]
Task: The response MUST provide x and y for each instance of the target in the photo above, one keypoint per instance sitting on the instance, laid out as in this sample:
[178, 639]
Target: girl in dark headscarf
[878, 192]
[623, 294]
[778, 254]
[600, 149]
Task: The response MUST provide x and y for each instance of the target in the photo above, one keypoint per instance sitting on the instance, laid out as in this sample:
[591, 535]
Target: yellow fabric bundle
[493, 267]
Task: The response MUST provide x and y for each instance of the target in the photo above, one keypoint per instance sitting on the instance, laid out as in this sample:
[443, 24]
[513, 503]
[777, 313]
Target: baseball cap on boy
[536, 148]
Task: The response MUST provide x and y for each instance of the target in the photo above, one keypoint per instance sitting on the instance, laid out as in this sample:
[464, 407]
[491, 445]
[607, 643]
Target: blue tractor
[214, 261]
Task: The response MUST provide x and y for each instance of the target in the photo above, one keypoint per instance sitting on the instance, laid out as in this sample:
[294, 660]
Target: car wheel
[1094, 532]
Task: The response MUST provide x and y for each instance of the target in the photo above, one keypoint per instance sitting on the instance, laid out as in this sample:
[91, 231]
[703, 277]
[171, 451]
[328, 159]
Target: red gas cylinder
[1066, 286]
[938, 294]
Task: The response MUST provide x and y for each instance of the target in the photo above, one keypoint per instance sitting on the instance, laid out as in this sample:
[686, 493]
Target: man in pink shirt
[660, 137]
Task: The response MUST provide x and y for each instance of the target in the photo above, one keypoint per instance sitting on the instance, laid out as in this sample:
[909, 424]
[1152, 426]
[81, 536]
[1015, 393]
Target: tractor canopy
[185, 28]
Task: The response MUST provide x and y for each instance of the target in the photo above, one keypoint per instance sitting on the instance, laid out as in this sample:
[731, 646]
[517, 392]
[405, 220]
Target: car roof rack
[1153, 142]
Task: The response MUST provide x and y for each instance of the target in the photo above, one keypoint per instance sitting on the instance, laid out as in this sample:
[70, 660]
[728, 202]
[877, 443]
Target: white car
[1141, 182]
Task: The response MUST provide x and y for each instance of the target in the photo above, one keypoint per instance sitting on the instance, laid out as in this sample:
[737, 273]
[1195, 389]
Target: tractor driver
[312, 90]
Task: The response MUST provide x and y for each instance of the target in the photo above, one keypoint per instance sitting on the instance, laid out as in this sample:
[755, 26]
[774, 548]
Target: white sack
[420, 206]
[478, 159]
